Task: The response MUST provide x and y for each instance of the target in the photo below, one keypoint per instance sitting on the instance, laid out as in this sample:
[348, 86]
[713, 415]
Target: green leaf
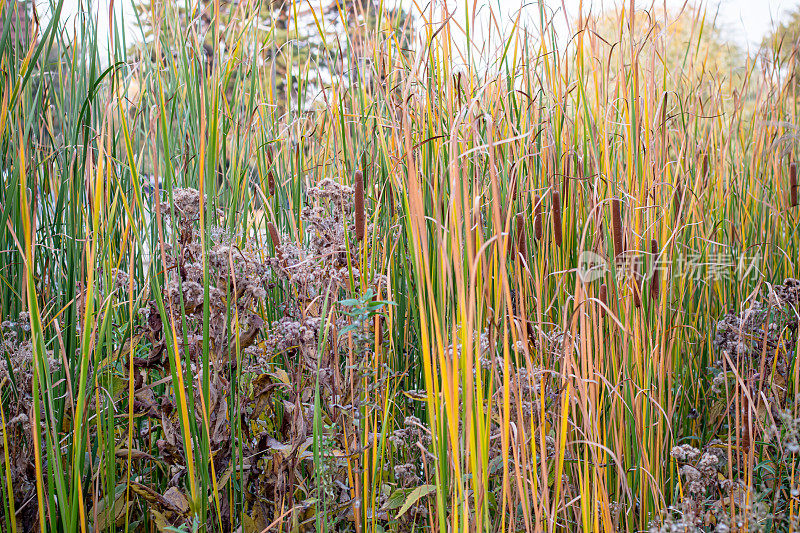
[347, 329]
[395, 501]
[416, 494]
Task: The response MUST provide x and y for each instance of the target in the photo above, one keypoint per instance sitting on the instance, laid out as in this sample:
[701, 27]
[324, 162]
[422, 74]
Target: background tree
[284, 35]
[688, 41]
[285, 53]
[782, 42]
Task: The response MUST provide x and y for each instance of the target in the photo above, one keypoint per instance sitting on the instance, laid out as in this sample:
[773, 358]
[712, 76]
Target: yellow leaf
[161, 521]
[114, 515]
[177, 499]
[282, 376]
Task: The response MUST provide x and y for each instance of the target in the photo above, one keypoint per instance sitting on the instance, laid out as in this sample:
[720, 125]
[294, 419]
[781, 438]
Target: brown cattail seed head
[537, 217]
[360, 230]
[654, 281]
[460, 86]
[604, 294]
[677, 199]
[616, 221]
[522, 245]
[793, 184]
[273, 234]
[271, 182]
[512, 193]
[557, 218]
[637, 287]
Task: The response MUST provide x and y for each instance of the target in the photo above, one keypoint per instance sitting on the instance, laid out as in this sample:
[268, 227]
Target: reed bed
[254, 288]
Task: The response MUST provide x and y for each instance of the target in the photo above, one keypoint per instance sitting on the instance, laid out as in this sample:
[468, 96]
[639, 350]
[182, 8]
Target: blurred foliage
[689, 44]
[785, 37]
[288, 37]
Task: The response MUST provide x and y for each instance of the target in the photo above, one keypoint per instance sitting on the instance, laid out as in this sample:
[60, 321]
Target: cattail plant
[273, 235]
[677, 199]
[511, 197]
[460, 83]
[521, 242]
[603, 296]
[637, 283]
[270, 172]
[271, 182]
[557, 218]
[377, 321]
[616, 221]
[654, 281]
[359, 191]
[282, 317]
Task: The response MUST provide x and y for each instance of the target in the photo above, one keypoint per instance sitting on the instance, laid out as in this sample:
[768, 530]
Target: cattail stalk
[537, 217]
[512, 193]
[359, 205]
[654, 281]
[677, 199]
[270, 173]
[616, 220]
[793, 184]
[271, 182]
[275, 237]
[378, 328]
[603, 296]
[522, 245]
[557, 218]
[637, 286]
[273, 234]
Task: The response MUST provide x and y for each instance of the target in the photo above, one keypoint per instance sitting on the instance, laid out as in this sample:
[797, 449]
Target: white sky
[744, 21]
